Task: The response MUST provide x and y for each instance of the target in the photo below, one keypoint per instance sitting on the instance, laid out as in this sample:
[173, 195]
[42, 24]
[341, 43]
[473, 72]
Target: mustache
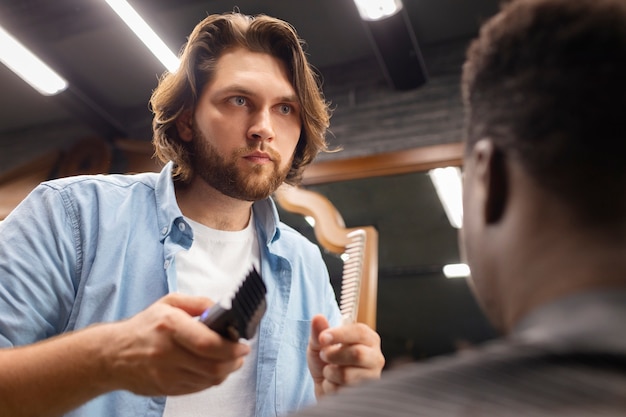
[274, 155]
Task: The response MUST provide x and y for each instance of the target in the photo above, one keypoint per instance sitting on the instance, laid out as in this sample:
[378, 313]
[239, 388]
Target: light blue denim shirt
[91, 249]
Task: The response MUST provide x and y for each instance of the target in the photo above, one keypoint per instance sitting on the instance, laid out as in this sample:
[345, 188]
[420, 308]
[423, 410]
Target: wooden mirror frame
[400, 162]
[330, 230]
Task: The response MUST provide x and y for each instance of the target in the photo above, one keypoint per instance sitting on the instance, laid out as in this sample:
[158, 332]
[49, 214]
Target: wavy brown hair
[179, 91]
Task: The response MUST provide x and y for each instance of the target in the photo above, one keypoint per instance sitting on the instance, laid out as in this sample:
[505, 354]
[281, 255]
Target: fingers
[196, 336]
[204, 342]
[352, 345]
[194, 306]
[329, 387]
[359, 355]
[180, 372]
[347, 355]
[350, 364]
[193, 374]
[350, 334]
[165, 350]
[318, 325]
[336, 377]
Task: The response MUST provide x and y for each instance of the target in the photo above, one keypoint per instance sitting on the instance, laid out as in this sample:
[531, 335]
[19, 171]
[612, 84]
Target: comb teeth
[247, 308]
[351, 277]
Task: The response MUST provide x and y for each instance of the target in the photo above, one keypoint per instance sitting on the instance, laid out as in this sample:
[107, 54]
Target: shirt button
[181, 226]
[166, 264]
[164, 230]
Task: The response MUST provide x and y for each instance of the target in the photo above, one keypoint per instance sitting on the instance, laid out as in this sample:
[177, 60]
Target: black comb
[247, 308]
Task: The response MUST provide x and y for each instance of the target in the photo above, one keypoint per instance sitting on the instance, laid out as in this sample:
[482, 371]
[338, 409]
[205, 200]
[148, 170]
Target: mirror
[420, 313]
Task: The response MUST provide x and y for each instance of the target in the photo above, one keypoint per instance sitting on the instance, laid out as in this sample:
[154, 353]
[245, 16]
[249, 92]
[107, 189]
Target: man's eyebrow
[239, 89]
[235, 89]
[290, 99]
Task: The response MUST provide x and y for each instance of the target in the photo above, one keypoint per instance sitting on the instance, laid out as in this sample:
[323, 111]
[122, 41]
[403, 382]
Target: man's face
[246, 126]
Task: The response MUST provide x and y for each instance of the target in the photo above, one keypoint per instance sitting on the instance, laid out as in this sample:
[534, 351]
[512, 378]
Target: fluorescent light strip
[145, 34]
[377, 9]
[29, 67]
[448, 184]
[456, 270]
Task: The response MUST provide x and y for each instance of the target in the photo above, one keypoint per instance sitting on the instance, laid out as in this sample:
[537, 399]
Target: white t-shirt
[214, 267]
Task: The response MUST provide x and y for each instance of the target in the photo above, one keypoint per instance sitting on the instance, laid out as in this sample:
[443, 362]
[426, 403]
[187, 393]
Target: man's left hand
[344, 355]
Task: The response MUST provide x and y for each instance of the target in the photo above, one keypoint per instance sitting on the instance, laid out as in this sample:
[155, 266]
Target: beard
[222, 173]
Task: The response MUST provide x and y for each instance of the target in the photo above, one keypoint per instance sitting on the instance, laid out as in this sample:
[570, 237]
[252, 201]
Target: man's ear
[492, 169]
[184, 124]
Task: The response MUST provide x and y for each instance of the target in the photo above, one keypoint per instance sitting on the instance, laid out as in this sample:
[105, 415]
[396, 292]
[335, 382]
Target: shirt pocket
[294, 385]
[296, 333]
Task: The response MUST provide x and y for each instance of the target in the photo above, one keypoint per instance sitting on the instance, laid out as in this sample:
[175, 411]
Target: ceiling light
[145, 34]
[29, 67]
[456, 270]
[388, 27]
[377, 9]
[448, 184]
[310, 220]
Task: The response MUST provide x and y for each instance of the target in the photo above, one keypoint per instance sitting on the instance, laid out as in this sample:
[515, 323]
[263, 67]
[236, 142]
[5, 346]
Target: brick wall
[370, 117]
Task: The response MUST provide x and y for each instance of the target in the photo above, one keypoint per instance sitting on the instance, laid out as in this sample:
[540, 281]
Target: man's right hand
[165, 350]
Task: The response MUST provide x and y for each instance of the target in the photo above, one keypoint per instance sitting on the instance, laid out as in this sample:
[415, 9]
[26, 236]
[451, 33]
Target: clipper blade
[247, 308]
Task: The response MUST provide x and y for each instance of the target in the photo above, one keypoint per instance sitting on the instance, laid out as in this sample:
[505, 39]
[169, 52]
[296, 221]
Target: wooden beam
[392, 163]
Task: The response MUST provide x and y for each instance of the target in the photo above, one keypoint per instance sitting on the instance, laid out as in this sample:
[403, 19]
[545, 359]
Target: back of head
[546, 81]
[178, 92]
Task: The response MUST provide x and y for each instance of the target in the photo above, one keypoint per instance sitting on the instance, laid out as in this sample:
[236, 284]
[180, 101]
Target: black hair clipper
[247, 308]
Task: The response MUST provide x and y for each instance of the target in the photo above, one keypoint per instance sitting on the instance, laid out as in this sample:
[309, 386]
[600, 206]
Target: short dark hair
[546, 81]
[178, 92]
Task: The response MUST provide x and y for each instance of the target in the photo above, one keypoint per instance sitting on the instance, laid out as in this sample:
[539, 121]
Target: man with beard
[101, 277]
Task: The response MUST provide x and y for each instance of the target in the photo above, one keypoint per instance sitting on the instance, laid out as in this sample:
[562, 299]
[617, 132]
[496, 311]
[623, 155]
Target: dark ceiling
[112, 74]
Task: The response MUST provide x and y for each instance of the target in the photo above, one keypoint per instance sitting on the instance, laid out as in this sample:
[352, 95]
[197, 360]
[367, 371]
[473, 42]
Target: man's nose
[261, 126]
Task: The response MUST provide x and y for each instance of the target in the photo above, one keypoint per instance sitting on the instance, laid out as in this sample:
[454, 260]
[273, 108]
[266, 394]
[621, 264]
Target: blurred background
[394, 86]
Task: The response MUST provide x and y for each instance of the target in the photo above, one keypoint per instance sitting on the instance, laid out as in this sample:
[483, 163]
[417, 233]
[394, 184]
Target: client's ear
[184, 124]
[492, 168]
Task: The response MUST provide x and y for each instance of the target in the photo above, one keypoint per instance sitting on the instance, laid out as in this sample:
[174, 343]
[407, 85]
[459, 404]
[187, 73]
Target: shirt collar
[266, 215]
[585, 322]
[168, 211]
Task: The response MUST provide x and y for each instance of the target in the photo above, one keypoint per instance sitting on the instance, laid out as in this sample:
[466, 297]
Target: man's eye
[284, 109]
[238, 101]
